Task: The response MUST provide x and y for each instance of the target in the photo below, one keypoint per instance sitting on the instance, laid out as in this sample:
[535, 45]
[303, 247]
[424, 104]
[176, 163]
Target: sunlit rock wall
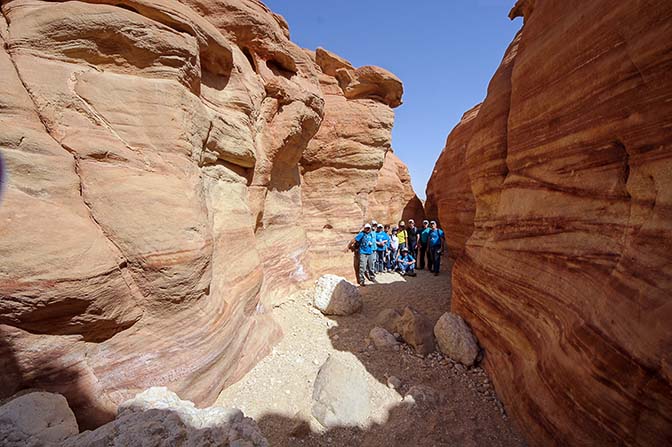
[159, 157]
[349, 171]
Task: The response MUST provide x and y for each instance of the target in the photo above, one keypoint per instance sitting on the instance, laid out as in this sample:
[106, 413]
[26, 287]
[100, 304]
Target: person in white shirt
[394, 246]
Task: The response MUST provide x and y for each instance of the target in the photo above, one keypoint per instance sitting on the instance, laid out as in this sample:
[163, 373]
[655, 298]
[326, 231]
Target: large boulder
[455, 339]
[417, 330]
[36, 419]
[335, 295]
[340, 394]
[159, 417]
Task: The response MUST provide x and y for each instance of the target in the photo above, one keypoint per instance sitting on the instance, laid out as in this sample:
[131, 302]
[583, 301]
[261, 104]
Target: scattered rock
[340, 394]
[382, 339]
[335, 295]
[158, 416]
[455, 339]
[388, 319]
[416, 330]
[37, 418]
[422, 395]
[394, 382]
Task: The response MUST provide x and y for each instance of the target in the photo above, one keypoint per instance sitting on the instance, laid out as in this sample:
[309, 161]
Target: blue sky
[445, 52]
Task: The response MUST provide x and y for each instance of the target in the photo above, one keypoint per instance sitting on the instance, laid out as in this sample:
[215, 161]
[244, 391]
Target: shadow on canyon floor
[460, 408]
[53, 374]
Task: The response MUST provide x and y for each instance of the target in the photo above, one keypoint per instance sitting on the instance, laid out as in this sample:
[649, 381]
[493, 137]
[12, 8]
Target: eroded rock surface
[349, 172]
[566, 278]
[155, 208]
[449, 196]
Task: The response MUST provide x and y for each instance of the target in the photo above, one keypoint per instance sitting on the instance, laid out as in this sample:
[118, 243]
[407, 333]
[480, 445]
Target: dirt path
[277, 392]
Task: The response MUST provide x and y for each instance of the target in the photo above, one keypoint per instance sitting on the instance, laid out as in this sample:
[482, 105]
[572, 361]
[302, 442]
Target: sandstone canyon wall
[449, 196]
[567, 276]
[350, 162]
[159, 156]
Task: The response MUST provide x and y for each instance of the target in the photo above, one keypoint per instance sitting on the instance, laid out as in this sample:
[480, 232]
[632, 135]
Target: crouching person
[406, 263]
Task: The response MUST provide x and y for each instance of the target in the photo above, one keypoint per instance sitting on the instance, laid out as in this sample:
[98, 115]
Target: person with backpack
[436, 240]
[381, 243]
[364, 242]
[406, 263]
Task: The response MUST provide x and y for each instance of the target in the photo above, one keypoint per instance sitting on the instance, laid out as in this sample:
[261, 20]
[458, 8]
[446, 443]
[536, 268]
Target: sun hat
[367, 225]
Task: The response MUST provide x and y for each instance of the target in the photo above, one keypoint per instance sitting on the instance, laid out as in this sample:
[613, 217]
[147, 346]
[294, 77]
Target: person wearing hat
[436, 241]
[381, 243]
[365, 242]
[401, 234]
[406, 263]
[424, 252]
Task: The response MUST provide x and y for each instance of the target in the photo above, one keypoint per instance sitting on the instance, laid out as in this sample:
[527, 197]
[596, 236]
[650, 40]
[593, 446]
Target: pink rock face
[159, 156]
[349, 171]
[393, 197]
[566, 278]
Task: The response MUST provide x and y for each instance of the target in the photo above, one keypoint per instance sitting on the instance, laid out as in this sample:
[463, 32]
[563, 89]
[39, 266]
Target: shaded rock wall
[566, 278]
[154, 208]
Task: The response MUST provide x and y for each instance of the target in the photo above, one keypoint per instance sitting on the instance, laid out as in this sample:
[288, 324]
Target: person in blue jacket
[381, 242]
[436, 240]
[406, 263]
[365, 241]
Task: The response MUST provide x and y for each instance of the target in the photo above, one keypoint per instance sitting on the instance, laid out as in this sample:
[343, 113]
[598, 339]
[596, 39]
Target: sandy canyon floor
[462, 409]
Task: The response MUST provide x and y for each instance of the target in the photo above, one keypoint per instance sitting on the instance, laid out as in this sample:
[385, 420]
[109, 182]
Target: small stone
[382, 339]
[394, 382]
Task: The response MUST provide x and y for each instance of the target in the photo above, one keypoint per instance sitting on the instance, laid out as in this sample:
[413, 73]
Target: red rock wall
[153, 213]
[349, 173]
[449, 196]
[567, 277]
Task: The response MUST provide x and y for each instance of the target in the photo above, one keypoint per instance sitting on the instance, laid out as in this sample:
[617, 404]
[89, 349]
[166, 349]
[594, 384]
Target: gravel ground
[463, 409]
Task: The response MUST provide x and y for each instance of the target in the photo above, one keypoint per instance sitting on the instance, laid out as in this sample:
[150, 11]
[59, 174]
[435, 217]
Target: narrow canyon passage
[453, 405]
[180, 174]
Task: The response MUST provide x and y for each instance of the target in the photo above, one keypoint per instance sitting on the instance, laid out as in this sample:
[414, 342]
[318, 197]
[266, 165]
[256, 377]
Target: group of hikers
[381, 249]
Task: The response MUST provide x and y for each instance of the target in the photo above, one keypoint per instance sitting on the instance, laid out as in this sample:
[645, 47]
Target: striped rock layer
[154, 206]
[566, 276]
[350, 161]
